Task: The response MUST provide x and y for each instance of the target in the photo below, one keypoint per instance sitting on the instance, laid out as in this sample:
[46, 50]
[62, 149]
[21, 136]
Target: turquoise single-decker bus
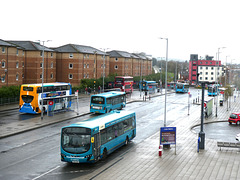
[106, 102]
[148, 86]
[182, 87]
[93, 139]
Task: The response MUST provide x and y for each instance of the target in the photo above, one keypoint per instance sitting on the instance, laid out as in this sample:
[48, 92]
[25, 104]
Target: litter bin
[221, 102]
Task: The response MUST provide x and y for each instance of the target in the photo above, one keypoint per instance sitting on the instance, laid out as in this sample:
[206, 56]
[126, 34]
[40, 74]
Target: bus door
[96, 147]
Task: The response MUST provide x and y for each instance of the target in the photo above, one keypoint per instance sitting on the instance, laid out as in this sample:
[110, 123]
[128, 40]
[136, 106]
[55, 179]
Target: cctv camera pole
[201, 133]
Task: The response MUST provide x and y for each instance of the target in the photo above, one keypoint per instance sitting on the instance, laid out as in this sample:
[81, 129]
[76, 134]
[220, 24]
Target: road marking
[45, 173]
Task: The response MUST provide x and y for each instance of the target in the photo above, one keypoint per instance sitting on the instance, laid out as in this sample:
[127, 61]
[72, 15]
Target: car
[234, 118]
[238, 137]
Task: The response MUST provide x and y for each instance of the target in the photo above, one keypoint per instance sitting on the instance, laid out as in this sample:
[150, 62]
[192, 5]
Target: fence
[4, 101]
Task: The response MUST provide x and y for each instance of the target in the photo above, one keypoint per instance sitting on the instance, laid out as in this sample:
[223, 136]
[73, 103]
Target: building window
[22, 64]
[17, 77]
[116, 59]
[70, 65]
[23, 53]
[51, 75]
[211, 78]
[116, 67]
[201, 67]
[17, 52]
[3, 78]
[70, 55]
[41, 53]
[206, 67]
[41, 65]
[211, 68]
[70, 76]
[51, 64]
[51, 54]
[210, 62]
[17, 64]
[200, 73]
[201, 62]
[200, 78]
[84, 65]
[87, 65]
[3, 64]
[206, 73]
[41, 76]
[3, 49]
[206, 78]
[22, 75]
[206, 62]
[211, 73]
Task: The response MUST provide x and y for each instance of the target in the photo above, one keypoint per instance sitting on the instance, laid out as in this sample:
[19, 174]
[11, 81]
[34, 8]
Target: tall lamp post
[104, 49]
[42, 73]
[165, 104]
[217, 77]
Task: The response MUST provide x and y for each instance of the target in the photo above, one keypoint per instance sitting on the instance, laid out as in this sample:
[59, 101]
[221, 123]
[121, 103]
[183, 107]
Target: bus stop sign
[50, 103]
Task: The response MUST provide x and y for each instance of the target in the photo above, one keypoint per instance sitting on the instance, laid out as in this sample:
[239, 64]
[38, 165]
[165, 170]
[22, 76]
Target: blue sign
[167, 135]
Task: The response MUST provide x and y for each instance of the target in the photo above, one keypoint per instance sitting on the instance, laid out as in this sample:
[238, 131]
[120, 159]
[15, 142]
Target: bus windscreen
[76, 140]
[97, 100]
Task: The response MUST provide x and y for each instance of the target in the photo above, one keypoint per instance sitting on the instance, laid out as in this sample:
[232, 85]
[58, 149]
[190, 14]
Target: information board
[167, 135]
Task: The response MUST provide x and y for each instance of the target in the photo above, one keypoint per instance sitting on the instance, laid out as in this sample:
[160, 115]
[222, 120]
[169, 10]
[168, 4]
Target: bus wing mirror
[92, 140]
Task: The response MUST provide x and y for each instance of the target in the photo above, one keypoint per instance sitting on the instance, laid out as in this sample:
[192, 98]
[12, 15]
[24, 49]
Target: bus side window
[120, 128]
[109, 101]
[110, 133]
[39, 90]
[115, 128]
[103, 136]
[125, 124]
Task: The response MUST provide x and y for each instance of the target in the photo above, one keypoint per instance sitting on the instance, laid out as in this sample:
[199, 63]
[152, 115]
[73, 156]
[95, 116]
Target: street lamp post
[217, 78]
[42, 74]
[165, 104]
[104, 49]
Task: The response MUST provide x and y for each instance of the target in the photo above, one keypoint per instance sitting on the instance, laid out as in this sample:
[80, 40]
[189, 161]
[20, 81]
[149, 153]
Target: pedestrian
[86, 90]
[99, 89]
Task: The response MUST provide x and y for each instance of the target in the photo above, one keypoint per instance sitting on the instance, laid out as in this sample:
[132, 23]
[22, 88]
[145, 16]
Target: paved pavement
[143, 162]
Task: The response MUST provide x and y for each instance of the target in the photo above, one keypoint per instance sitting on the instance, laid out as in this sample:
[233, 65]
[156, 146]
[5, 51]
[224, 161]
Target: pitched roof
[5, 43]
[116, 53]
[74, 48]
[30, 46]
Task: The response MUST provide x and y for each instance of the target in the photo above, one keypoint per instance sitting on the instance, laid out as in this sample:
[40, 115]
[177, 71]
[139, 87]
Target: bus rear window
[119, 80]
[27, 98]
[97, 100]
[25, 88]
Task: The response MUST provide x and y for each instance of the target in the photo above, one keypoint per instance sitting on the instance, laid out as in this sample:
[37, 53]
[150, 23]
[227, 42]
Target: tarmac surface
[143, 161]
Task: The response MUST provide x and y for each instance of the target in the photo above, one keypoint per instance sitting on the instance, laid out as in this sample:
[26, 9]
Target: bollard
[160, 150]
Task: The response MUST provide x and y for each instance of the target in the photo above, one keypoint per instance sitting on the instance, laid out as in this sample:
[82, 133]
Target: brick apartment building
[22, 62]
[128, 64]
[76, 62]
[208, 70]
[12, 60]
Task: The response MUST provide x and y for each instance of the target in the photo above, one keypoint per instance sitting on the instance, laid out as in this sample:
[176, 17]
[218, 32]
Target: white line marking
[46, 173]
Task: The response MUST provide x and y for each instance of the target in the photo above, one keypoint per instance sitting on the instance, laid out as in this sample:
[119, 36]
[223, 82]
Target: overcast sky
[191, 26]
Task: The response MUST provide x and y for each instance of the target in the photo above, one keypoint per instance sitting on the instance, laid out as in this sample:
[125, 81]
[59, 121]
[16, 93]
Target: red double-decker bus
[125, 83]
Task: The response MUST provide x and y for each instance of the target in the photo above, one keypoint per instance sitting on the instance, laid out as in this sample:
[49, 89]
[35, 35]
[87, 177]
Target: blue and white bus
[30, 100]
[212, 90]
[182, 87]
[106, 102]
[150, 86]
[93, 139]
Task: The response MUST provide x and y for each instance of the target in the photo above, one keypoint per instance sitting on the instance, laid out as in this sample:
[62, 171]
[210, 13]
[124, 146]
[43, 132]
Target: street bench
[228, 144]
